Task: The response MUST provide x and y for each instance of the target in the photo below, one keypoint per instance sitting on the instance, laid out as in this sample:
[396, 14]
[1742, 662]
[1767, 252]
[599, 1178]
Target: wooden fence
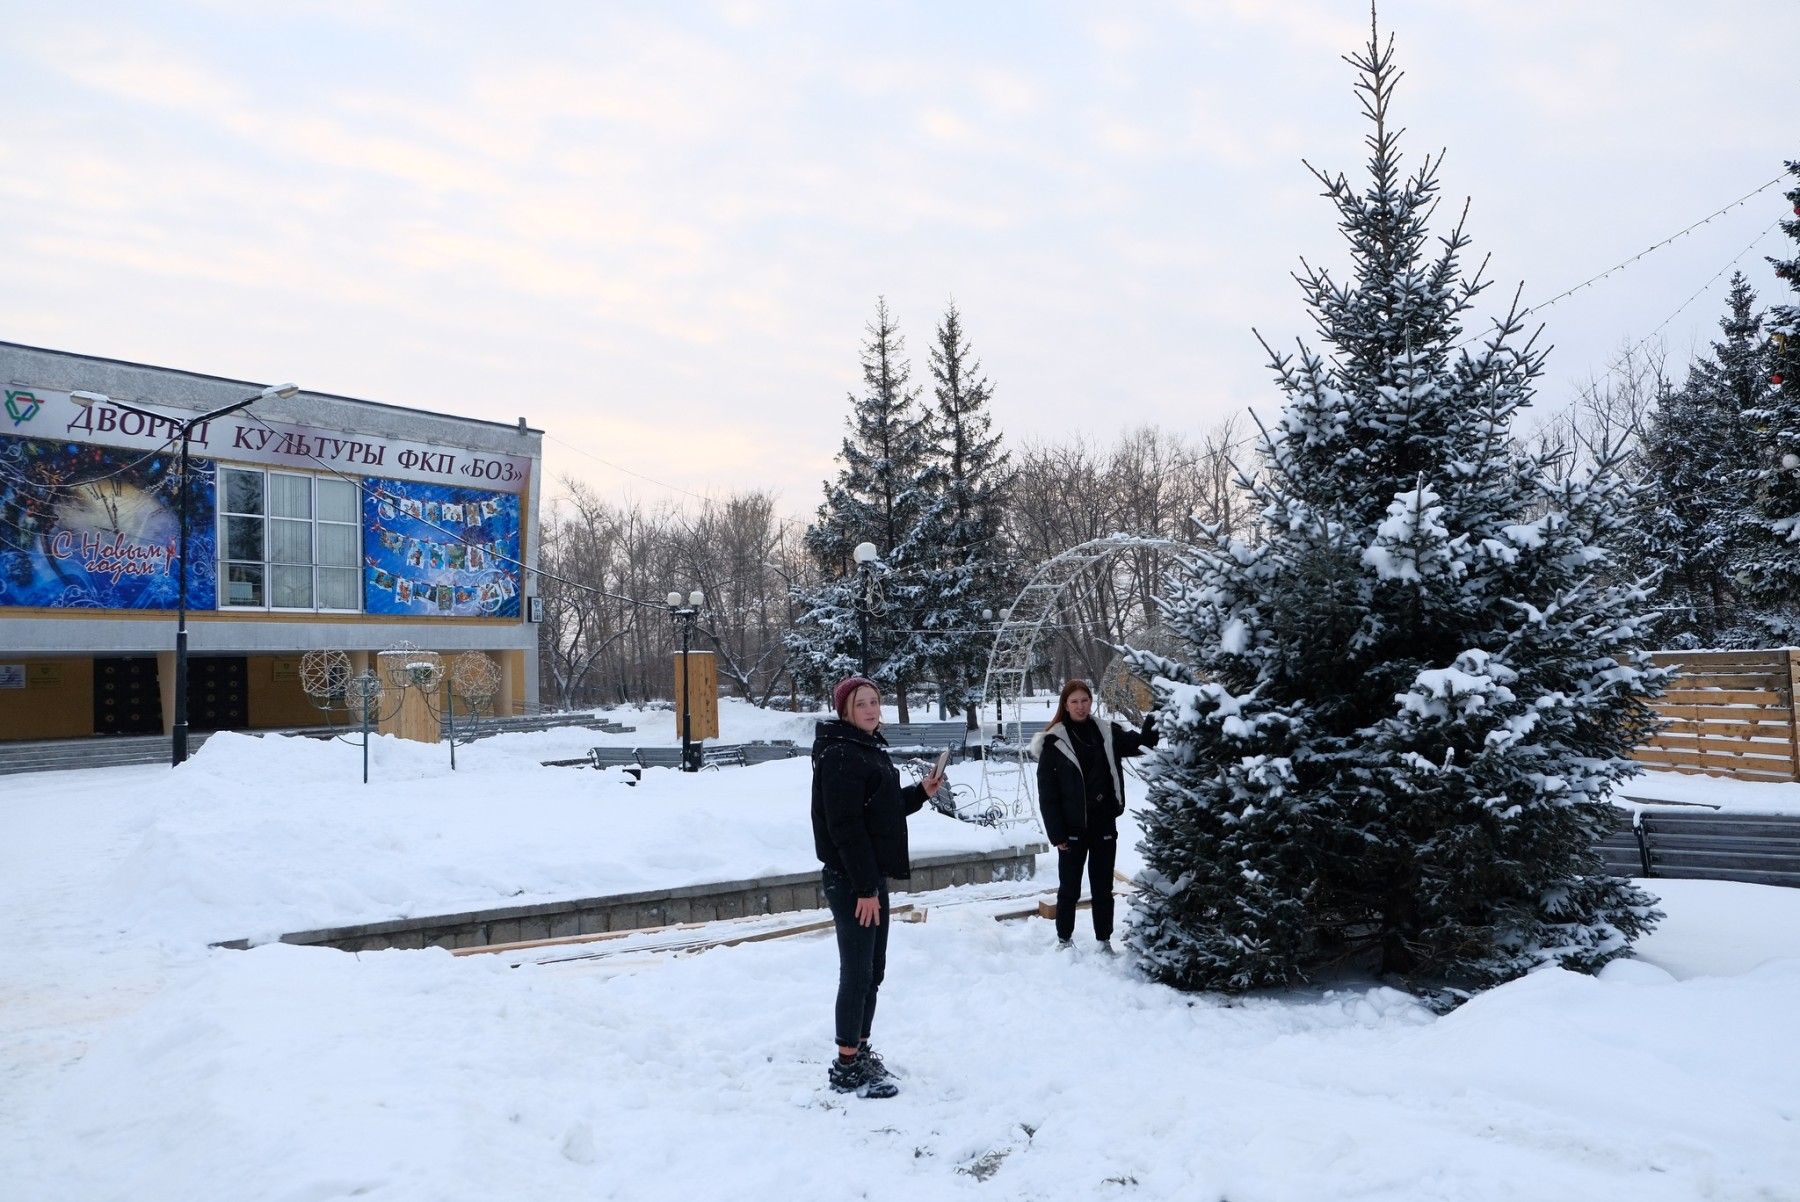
[1727, 713]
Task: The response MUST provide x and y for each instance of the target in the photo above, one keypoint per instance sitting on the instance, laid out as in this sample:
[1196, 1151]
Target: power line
[1655, 246]
[1715, 279]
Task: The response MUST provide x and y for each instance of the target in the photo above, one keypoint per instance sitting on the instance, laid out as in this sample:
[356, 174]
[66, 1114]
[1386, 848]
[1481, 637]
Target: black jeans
[862, 957]
[1099, 859]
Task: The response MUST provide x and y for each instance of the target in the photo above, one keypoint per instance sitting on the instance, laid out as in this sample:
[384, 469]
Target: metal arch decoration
[1007, 785]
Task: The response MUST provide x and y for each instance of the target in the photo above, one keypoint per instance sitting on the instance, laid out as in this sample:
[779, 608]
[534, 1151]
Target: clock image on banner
[440, 549]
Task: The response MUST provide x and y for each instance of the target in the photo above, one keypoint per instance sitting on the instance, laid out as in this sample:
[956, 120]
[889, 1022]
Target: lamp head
[865, 553]
[277, 390]
[88, 399]
[696, 599]
[674, 600]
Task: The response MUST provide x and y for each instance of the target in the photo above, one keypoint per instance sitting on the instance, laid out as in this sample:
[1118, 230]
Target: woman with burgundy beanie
[1081, 791]
[859, 814]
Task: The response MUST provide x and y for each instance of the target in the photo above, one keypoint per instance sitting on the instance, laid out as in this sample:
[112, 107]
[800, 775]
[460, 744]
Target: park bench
[924, 740]
[1761, 849]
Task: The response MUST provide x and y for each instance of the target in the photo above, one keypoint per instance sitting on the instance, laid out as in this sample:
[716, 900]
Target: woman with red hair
[1081, 791]
[859, 812]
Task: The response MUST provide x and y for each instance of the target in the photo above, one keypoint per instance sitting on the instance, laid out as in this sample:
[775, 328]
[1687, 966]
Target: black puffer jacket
[859, 808]
[1063, 791]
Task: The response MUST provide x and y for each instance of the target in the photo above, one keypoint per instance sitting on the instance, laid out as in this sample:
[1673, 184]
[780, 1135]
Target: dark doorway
[127, 700]
[218, 692]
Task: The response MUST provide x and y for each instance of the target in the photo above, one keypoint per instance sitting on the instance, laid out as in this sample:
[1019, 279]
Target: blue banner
[437, 549]
[91, 527]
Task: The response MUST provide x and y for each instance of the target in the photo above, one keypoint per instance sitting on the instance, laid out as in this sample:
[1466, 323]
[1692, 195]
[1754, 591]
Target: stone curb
[649, 908]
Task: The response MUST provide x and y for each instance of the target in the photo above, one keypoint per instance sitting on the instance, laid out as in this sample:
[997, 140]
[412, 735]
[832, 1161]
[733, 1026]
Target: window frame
[268, 564]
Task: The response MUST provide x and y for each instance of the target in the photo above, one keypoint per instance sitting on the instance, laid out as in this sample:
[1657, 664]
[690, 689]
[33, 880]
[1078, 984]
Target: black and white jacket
[1062, 788]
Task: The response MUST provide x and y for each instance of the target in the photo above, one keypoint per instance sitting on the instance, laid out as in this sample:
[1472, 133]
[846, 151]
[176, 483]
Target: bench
[1761, 849]
[923, 740]
[635, 759]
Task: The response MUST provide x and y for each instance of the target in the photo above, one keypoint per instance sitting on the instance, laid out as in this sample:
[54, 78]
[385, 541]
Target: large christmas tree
[1406, 702]
[888, 493]
[973, 564]
[1770, 574]
[1692, 528]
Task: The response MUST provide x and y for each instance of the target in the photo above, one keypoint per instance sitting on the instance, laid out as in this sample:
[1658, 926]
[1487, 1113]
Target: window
[288, 541]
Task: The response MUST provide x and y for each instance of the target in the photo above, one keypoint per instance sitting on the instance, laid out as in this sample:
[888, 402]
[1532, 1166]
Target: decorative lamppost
[183, 428]
[865, 556]
[684, 616]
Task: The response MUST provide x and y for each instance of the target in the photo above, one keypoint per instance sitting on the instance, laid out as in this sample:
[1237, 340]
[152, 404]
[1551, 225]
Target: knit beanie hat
[841, 694]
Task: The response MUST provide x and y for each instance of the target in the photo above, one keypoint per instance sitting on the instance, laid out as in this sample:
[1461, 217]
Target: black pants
[862, 957]
[1099, 859]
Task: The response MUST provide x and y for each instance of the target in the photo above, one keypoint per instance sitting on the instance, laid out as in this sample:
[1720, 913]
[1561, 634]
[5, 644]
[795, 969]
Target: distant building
[315, 521]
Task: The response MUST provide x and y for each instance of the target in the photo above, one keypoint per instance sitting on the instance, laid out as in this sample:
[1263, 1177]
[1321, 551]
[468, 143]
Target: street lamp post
[685, 616]
[184, 429]
[865, 556]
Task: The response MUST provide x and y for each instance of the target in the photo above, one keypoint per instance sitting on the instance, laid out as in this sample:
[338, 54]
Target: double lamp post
[183, 428]
[685, 614]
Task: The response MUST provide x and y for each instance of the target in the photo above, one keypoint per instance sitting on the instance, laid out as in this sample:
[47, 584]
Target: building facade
[313, 522]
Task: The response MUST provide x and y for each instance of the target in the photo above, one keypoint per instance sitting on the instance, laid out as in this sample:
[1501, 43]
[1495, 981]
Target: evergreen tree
[1405, 704]
[1690, 530]
[884, 494]
[1770, 575]
[973, 568]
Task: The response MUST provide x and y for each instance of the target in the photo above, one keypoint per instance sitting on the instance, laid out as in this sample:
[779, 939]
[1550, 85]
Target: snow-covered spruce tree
[1406, 703]
[973, 564]
[1770, 573]
[1690, 529]
[885, 489]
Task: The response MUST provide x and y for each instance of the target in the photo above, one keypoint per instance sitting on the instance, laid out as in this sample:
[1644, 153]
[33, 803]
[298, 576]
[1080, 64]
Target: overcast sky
[657, 231]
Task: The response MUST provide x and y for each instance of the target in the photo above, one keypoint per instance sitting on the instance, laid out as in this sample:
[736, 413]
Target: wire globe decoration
[407, 667]
[324, 674]
[363, 691]
[475, 676]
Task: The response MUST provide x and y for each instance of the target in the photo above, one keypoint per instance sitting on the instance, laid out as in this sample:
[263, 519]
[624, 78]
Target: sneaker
[854, 1078]
[1063, 945]
[873, 1064]
[1106, 947]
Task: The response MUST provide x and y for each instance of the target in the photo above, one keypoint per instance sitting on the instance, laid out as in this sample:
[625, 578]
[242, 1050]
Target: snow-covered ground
[137, 1064]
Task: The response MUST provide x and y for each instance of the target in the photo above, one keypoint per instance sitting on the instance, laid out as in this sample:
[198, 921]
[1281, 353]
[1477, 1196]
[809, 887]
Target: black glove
[1150, 737]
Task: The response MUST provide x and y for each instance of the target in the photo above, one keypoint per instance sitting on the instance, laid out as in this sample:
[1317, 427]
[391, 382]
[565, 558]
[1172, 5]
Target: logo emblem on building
[21, 406]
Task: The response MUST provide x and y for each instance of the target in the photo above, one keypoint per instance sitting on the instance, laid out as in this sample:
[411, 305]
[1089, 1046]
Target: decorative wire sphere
[362, 691]
[475, 676]
[405, 666]
[323, 674]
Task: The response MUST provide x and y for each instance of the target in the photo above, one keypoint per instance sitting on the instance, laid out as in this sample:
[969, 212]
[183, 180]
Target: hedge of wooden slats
[1727, 713]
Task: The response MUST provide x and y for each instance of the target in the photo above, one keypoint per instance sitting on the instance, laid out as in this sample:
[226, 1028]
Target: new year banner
[92, 527]
[438, 549]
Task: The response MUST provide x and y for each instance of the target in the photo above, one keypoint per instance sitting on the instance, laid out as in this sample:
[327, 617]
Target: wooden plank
[1766, 697]
[1792, 657]
[723, 941]
[1726, 730]
[1767, 748]
[1782, 768]
[1729, 713]
[1775, 680]
[1724, 658]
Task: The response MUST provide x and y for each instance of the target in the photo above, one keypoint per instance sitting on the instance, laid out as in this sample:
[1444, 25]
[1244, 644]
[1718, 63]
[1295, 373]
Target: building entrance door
[127, 700]
[218, 692]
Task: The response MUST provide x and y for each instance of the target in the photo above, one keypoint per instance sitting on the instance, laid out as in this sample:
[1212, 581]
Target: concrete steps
[61, 755]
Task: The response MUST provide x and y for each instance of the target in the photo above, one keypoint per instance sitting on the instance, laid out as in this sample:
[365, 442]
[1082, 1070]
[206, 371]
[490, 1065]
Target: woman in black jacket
[1081, 791]
[859, 816]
